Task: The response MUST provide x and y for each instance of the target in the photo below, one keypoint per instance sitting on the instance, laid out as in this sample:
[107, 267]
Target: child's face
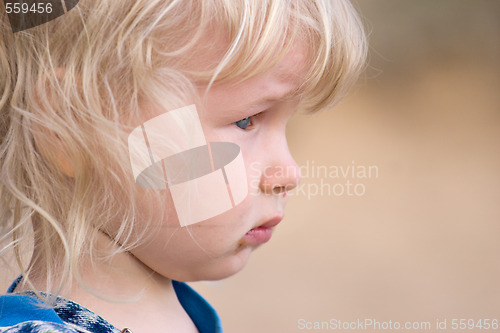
[220, 246]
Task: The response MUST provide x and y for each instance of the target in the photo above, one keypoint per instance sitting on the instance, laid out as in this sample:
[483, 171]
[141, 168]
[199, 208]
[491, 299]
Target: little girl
[142, 143]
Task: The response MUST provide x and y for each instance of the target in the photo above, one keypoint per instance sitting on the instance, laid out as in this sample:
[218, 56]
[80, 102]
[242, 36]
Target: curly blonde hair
[75, 85]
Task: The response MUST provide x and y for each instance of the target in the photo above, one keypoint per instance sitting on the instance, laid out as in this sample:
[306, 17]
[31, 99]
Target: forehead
[293, 67]
[281, 81]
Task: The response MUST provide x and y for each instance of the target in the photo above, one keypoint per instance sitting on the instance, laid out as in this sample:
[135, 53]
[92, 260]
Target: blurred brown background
[423, 241]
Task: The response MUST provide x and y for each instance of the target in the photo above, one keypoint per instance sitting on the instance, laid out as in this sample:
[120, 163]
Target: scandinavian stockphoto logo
[205, 179]
[26, 14]
[348, 180]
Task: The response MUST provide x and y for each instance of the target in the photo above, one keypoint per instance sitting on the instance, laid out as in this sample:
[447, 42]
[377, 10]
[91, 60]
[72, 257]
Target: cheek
[213, 236]
[211, 245]
[159, 209]
[253, 167]
[190, 252]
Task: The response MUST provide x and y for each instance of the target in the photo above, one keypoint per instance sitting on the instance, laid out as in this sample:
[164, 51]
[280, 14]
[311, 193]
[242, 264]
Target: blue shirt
[25, 312]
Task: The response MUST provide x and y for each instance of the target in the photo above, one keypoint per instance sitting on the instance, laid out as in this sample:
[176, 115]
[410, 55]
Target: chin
[223, 268]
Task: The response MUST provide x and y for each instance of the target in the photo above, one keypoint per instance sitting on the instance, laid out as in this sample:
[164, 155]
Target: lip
[263, 232]
[272, 222]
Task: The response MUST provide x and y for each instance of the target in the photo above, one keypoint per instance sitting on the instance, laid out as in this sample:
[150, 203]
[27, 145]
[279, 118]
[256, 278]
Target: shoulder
[36, 326]
[27, 313]
[20, 313]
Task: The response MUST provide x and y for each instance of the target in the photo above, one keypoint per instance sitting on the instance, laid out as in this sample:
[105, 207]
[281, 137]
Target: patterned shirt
[26, 312]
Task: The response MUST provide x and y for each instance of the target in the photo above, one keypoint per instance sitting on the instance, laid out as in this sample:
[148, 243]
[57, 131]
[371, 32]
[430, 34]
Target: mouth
[263, 232]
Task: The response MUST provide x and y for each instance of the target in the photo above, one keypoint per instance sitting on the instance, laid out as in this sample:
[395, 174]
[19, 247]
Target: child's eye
[244, 123]
[247, 122]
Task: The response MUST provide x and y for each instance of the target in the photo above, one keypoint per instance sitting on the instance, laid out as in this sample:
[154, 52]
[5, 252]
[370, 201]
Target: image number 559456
[26, 14]
[25, 8]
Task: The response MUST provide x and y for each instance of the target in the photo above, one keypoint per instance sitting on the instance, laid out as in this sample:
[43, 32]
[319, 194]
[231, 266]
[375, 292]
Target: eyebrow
[270, 99]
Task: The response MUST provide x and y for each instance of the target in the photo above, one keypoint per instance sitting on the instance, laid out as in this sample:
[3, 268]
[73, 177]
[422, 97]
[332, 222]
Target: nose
[282, 173]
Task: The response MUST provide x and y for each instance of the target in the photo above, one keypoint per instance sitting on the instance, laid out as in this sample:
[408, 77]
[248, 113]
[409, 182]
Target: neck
[126, 293]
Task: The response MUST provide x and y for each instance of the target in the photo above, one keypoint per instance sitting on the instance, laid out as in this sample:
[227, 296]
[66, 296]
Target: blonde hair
[76, 84]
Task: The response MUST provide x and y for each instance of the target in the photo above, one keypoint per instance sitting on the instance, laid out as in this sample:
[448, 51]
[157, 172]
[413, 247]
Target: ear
[48, 143]
[54, 151]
